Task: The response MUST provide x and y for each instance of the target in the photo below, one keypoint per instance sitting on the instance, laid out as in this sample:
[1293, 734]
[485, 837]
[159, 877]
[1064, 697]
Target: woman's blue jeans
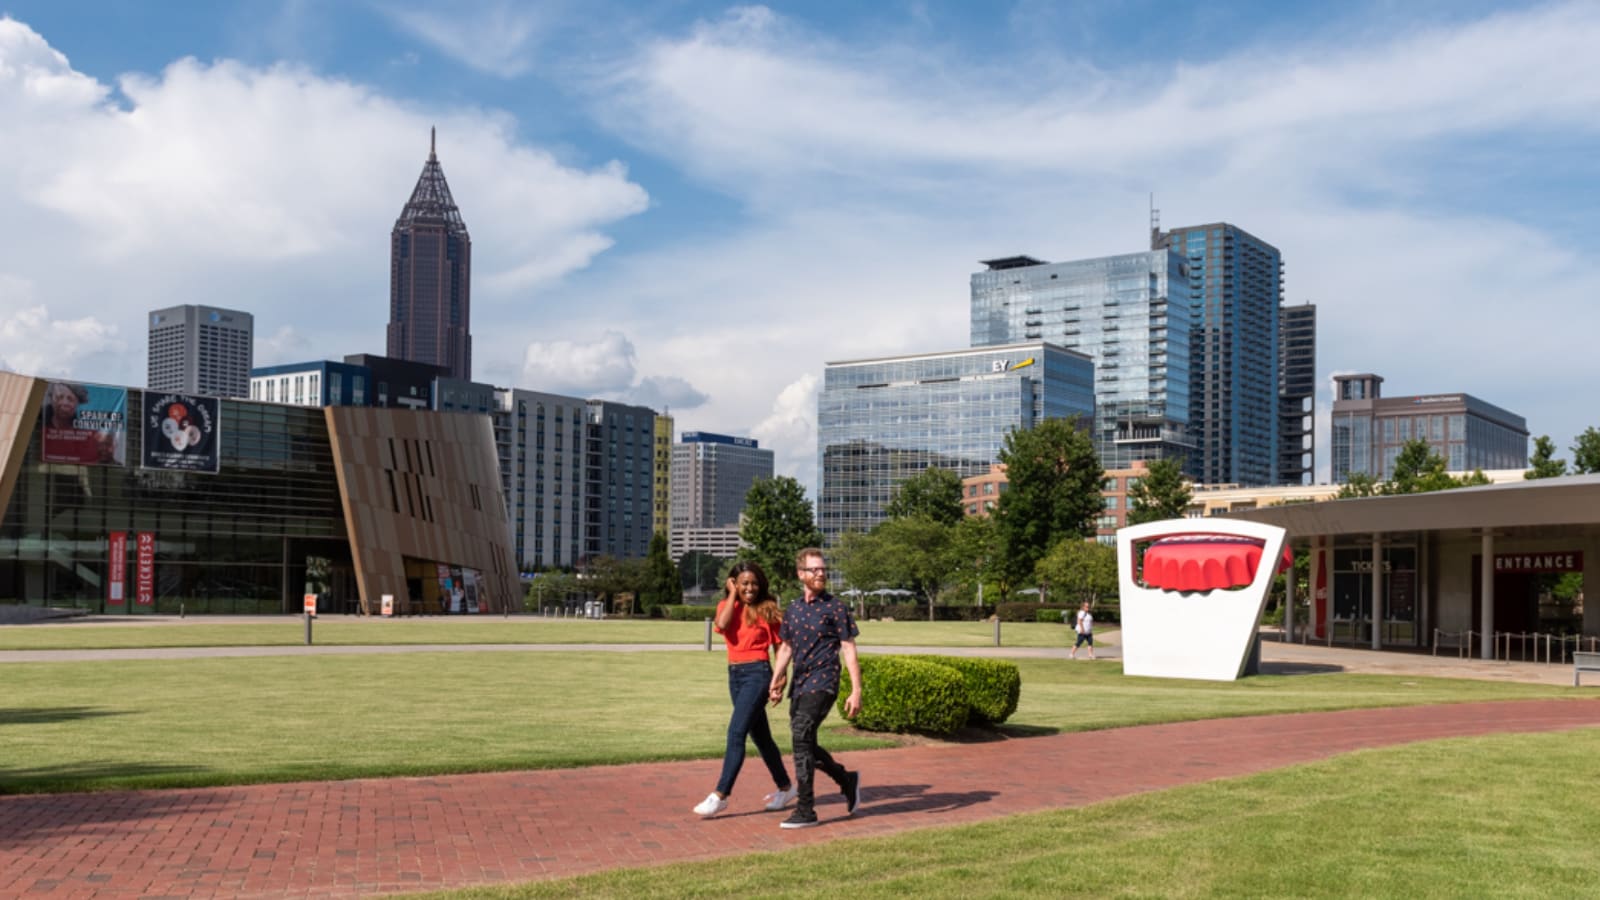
[747, 685]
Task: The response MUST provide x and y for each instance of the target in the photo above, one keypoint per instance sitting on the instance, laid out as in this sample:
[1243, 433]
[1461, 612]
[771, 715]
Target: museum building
[122, 500]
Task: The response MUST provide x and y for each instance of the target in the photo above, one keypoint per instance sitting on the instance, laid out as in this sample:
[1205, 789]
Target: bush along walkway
[356, 838]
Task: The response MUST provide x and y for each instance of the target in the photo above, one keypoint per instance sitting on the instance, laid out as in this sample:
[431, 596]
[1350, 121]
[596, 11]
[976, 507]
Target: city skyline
[642, 222]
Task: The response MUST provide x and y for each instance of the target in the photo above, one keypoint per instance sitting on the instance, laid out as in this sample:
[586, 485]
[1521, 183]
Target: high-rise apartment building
[661, 514]
[711, 474]
[1235, 292]
[430, 277]
[1297, 391]
[1369, 430]
[1130, 315]
[881, 421]
[201, 350]
[578, 476]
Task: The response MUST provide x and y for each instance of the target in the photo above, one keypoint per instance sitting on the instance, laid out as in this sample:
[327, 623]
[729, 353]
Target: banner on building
[117, 569]
[182, 433]
[84, 423]
[144, 572]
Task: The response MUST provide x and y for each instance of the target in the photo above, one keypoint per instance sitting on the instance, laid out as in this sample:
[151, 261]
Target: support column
[1377, 592]
[1288, 605]
[1486, 604]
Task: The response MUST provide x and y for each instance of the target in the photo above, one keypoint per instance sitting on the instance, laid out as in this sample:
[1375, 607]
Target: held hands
[775, 689]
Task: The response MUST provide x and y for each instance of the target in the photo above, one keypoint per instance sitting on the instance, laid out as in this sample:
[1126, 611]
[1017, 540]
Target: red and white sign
[144, 572]
[311, 604]
[388, 604]
[117, 570]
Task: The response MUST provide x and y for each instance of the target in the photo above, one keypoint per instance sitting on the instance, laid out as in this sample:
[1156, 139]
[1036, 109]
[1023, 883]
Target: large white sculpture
[1191, 610]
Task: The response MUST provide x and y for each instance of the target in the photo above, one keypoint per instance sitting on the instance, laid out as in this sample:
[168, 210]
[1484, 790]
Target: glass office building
[1235, 292]
[881, 421]
[1369, 430]
[1130, 315]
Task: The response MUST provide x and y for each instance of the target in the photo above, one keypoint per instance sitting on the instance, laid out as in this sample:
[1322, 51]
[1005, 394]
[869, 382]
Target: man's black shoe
[852, 793]
[800, 818]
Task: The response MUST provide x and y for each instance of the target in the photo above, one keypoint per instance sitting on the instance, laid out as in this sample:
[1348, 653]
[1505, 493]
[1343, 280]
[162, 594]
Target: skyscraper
[201, 350]
[1130, 314]
[1297, 388]
[711, 474]
[1235, 292]
[430, 277]
[1369, 430]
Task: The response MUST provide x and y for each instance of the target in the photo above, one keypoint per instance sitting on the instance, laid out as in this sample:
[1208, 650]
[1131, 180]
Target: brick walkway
[365, 837]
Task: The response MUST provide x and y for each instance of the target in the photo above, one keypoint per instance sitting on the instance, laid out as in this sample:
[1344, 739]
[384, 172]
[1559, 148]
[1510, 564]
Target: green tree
[1160, 493]
[610, 578]
[1358, 484]
[1419, 470]
[917, 555]
[934, 493]
[1586, 452]
[975, 544]
[661, 585]
[777, 523]
[1054, 492]
[698, 569]
[1545, 465]
[1079, 570]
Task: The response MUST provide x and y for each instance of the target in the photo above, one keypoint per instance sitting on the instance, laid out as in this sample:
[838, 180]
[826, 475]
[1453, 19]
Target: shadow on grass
[49, 716]
[33, 816]
[1299, 668]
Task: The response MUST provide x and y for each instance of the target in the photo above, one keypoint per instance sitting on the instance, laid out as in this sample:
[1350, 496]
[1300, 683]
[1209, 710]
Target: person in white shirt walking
[1085, 628]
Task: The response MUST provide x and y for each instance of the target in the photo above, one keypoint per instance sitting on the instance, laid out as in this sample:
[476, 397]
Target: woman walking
[748, 619]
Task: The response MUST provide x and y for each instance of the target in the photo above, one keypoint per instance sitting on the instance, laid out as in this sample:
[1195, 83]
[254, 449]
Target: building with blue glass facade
[1235, 292]
[1127, 313]
[881, 421]
[1369, 430]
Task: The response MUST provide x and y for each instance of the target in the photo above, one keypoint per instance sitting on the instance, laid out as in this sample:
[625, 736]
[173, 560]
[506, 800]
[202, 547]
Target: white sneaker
[711, 805]
[779, 799]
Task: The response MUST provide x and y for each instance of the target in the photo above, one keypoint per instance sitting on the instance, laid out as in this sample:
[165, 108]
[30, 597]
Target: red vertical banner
[117, 569]
[145, 571]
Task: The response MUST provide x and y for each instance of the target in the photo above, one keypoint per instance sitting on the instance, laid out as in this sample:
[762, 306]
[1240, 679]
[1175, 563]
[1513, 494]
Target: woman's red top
[747, 643]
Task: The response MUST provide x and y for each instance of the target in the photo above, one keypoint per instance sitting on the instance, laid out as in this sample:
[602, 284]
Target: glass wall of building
[253, 537]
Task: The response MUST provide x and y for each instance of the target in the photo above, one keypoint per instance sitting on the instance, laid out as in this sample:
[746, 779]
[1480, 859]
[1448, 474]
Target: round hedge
[993, 686]
[900, 693]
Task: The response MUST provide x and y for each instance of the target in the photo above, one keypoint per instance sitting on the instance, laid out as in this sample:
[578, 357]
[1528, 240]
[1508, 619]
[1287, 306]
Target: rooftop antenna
[433, 136]
[1155, 215]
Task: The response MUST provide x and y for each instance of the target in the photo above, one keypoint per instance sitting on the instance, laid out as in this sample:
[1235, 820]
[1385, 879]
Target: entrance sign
[1191, 608]
[1540, 563]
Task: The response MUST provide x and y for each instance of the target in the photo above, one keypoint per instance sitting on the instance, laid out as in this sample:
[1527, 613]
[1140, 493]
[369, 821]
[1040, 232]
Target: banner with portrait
[84, 423]
[182, 432]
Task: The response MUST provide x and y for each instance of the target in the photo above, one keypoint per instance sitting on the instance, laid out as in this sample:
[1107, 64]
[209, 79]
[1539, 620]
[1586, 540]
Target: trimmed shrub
[993, 686]
[685, 613]
[1027, 612]
[900, 612]
[904, 694]
[1054, 616]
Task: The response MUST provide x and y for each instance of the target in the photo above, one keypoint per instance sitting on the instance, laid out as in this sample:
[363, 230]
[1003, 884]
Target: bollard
[997, 631]
[708, 635]
[308, 629]
[180, 610]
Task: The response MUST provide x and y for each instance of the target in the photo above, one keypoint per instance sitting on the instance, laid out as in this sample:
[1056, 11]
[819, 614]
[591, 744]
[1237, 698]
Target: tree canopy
[934, 493]
[1054, 492]
[1417, 470]
[1586, 452]
[1544, 463]
[661, 585]
[778, 522]
[1161, 493]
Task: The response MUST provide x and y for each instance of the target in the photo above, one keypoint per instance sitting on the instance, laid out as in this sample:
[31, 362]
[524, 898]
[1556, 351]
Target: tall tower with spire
[430, 277]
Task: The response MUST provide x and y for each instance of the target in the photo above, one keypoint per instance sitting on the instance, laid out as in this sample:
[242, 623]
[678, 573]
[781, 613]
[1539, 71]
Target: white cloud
[267, 189]
[665, 393]
[32, 342]
[790, 431]
[602, 367]
[492, 37]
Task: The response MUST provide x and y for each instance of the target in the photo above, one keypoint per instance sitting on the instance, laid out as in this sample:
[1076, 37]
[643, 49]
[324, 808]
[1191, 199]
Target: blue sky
[695, 205]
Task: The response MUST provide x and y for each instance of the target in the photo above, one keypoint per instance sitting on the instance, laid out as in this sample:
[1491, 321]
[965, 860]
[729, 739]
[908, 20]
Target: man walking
[1085, 629]
[818, 632]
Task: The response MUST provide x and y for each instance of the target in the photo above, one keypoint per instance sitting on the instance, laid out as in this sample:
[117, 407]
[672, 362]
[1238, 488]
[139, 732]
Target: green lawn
[1503, 816]
[114, 724]
[336, 630]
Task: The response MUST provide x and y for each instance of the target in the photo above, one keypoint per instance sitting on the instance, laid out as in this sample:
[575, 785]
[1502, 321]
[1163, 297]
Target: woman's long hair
[766, 605]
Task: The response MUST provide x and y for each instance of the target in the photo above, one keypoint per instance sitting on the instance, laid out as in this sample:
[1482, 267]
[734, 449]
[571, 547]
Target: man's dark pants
[806, 712]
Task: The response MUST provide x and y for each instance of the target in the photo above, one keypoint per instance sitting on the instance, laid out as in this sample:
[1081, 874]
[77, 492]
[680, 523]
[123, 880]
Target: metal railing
[1511, 646]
